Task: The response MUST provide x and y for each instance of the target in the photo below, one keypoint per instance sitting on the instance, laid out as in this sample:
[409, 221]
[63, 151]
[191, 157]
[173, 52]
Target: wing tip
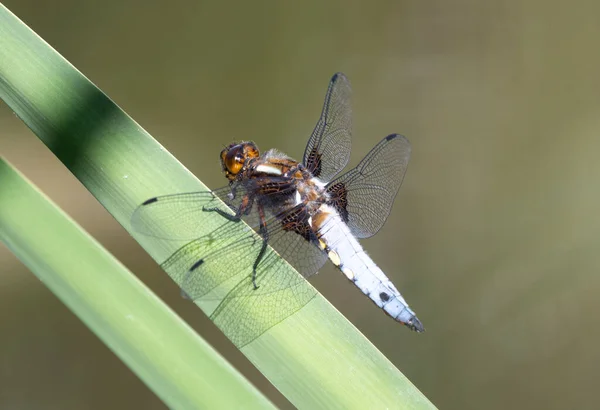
[337, 76]
[150, 201]
[401, 139]
[196, 265]
[394, 136]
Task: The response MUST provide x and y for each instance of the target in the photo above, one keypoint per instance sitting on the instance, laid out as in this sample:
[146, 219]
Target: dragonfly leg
[264, 233]
[228, 216]
[243, 209]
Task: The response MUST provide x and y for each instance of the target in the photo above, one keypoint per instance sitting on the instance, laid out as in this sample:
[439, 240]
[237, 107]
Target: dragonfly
[303, 210]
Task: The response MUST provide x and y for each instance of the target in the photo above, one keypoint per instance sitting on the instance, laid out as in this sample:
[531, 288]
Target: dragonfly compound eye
[234, 156]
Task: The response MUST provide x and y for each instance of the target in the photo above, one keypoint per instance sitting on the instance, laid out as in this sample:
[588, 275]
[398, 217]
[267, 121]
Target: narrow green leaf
[180, 367]
[316, 358]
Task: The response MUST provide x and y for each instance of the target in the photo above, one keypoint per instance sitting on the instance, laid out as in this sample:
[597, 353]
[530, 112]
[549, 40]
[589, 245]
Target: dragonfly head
[234, 157]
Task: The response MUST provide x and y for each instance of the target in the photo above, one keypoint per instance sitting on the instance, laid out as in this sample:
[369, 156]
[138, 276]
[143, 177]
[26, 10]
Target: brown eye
[234, 161]
[235, 156]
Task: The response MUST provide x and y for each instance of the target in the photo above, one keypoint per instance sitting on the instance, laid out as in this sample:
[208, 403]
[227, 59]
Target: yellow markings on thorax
[322, 244]
[268, 169]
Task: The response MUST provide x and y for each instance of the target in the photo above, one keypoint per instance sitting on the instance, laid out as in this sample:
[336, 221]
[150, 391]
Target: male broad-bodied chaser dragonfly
[301, 209]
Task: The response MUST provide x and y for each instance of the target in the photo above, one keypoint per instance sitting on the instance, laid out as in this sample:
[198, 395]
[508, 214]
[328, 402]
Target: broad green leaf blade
[180, 367]
[316, 358]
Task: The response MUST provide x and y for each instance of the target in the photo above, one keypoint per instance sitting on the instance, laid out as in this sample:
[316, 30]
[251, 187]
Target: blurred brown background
[494, 239]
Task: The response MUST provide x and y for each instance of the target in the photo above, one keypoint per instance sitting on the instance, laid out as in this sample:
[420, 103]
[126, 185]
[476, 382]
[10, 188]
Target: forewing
[328, 148]
[364, 195]
[181, 216]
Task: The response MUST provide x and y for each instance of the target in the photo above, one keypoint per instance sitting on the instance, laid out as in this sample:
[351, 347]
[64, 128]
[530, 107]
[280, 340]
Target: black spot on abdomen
[384, 296]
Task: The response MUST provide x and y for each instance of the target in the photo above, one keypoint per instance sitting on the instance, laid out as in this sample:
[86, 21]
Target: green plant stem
[180, 367]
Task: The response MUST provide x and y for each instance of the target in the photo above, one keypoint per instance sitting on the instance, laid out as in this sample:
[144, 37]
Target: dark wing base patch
[339, 199]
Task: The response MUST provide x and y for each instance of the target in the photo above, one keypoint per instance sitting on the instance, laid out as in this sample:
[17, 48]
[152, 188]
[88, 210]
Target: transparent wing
[180, 216]
[280, 294]
[227, 256]
[183, 216]
[364, 195]
[328, 148]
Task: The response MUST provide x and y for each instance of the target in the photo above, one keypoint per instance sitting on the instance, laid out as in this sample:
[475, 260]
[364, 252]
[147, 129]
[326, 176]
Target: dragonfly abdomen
[347, 254]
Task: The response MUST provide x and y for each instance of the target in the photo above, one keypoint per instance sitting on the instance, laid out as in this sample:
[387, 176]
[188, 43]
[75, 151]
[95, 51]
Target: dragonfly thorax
[311, 192]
